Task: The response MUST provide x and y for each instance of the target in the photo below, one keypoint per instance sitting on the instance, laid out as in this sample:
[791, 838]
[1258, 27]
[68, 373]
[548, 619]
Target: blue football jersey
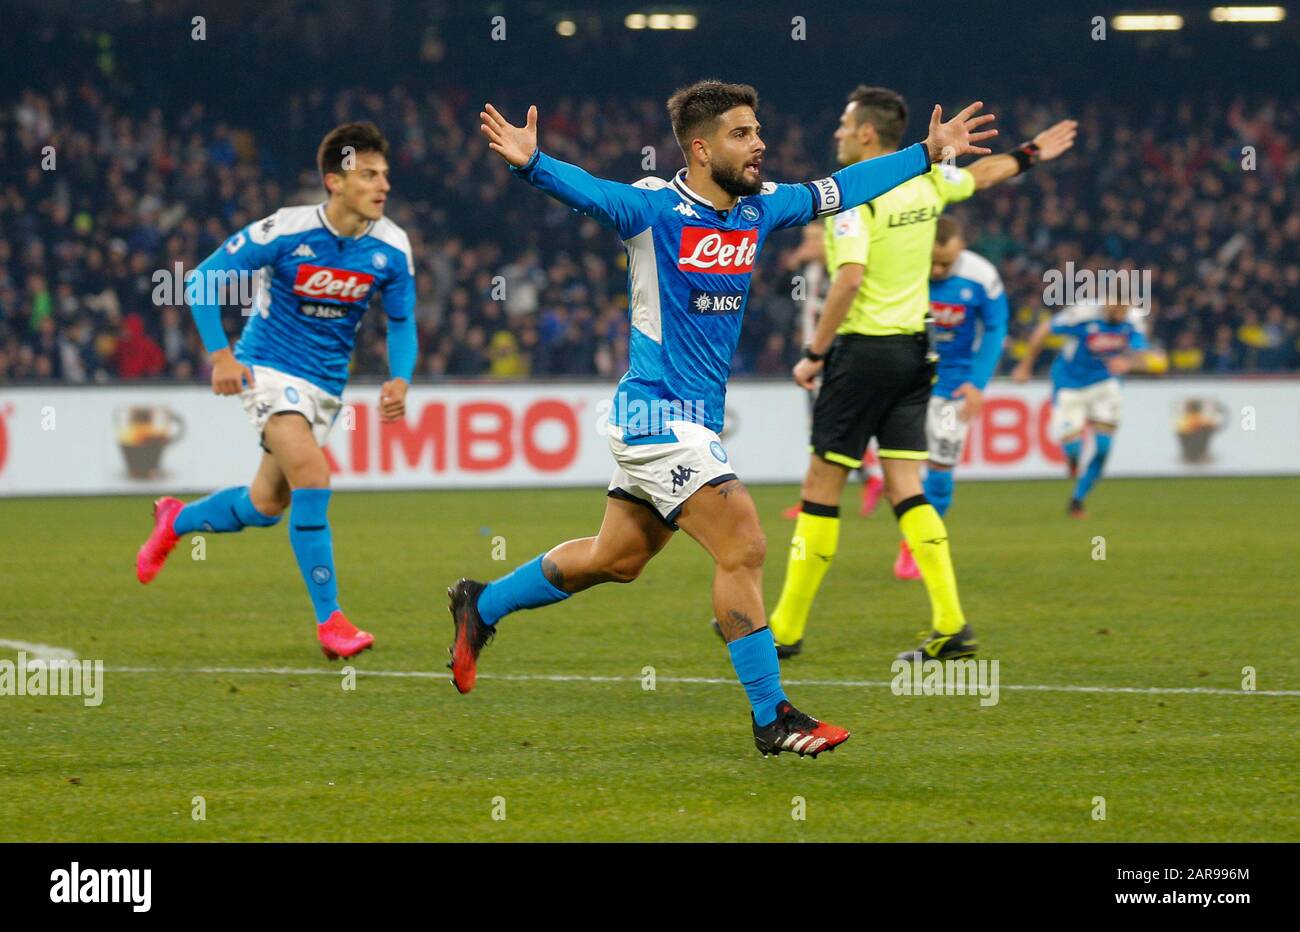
[689, 271]
[972, 294]
[313, 288]
[1091, 341]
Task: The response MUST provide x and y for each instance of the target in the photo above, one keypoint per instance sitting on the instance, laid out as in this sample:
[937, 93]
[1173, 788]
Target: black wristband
[1026, 156]
[810, 355]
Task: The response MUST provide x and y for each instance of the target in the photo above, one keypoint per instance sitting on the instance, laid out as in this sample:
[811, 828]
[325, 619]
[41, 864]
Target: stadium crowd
[95, 199]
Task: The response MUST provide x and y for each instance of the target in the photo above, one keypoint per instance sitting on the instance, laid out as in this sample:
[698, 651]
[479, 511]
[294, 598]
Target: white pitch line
[691, 680]
[40, 651]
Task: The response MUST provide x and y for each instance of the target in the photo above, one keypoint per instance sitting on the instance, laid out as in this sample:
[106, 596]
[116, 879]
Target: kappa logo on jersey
[319, 281]
[686, 210]
[948, 315]
[304, 252]
[717, 252]
[1106, 341]
[705, 302]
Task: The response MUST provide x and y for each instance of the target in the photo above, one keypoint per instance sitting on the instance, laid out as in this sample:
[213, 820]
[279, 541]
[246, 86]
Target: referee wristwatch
[811, 356]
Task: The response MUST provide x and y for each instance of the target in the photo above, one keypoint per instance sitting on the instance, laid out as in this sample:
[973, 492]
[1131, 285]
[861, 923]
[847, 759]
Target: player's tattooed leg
[735, 624]
[730, 486]
[554, 575]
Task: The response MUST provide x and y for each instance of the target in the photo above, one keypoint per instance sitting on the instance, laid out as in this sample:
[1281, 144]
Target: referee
[873, 355]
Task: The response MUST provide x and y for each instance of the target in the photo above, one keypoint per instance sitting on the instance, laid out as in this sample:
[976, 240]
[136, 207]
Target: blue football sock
[1095, 465]
[938, 489]
[222, 512]
[313, 547]
[1073, 450]
[526, 587]
[754, 657]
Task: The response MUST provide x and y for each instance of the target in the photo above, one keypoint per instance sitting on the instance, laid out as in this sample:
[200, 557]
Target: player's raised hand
[392, 400]
[229, 374]
[959, 135]
[1055, 141]
[515, 144]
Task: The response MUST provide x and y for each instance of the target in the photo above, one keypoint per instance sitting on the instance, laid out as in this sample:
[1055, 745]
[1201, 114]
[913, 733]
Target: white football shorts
[663, 473]
[1074, 408]
[275, 392]
[945, 431]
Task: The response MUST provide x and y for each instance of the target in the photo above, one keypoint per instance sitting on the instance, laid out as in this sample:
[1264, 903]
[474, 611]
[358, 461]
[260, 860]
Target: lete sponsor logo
[947, 315]
[717, 252]
[320, 281]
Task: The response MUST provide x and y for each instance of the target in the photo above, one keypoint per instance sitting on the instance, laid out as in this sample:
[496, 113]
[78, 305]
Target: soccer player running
[692, 244]
[1102, 344]
[969, 314]
[871, 344]
[320, 266]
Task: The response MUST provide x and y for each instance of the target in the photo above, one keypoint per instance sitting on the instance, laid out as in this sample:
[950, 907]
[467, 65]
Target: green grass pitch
[1198, 583]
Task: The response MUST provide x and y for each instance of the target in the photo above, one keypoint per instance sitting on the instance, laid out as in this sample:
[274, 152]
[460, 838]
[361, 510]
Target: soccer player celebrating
[965, 290]
[321, 265]
[692, 244]
[1103, 343]
[878, 368]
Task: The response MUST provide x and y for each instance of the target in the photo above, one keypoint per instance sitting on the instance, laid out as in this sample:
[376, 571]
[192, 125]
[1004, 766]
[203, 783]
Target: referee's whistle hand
[806, 372]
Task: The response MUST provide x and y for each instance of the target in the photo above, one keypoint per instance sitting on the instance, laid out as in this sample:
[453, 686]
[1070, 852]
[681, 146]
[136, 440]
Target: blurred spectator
[136, 354]
[512, 284]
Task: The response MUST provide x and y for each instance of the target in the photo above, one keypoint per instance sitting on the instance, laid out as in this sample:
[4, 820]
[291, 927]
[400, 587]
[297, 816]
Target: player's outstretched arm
[1050, 144]
[865, 181]
[240, 255]
[1025, 368]
[621, 206]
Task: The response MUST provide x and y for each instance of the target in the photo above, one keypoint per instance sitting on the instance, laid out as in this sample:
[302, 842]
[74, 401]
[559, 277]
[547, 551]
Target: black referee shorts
[873, 387]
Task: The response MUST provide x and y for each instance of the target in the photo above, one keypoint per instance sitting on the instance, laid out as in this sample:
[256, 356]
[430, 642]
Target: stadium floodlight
[1248, 14]
[1146, 22]
[685, 21]
[661, 21]
[566, 27]
[635, 21]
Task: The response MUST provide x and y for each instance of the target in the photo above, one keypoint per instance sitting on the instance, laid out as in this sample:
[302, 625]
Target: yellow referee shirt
[893, 237]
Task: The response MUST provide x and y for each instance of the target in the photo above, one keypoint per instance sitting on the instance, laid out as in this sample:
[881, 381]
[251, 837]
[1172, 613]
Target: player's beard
[732, 180]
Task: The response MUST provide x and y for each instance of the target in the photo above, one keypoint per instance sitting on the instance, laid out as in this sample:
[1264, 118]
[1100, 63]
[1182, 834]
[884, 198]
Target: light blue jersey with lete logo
[689, 270]
[313, 288]
[972, 294]
[1091, 340]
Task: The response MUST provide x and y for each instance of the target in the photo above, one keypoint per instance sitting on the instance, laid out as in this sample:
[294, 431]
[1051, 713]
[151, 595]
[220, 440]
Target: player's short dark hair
[882, 108]
[348, 139]
[693, 108]
[946, 228]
